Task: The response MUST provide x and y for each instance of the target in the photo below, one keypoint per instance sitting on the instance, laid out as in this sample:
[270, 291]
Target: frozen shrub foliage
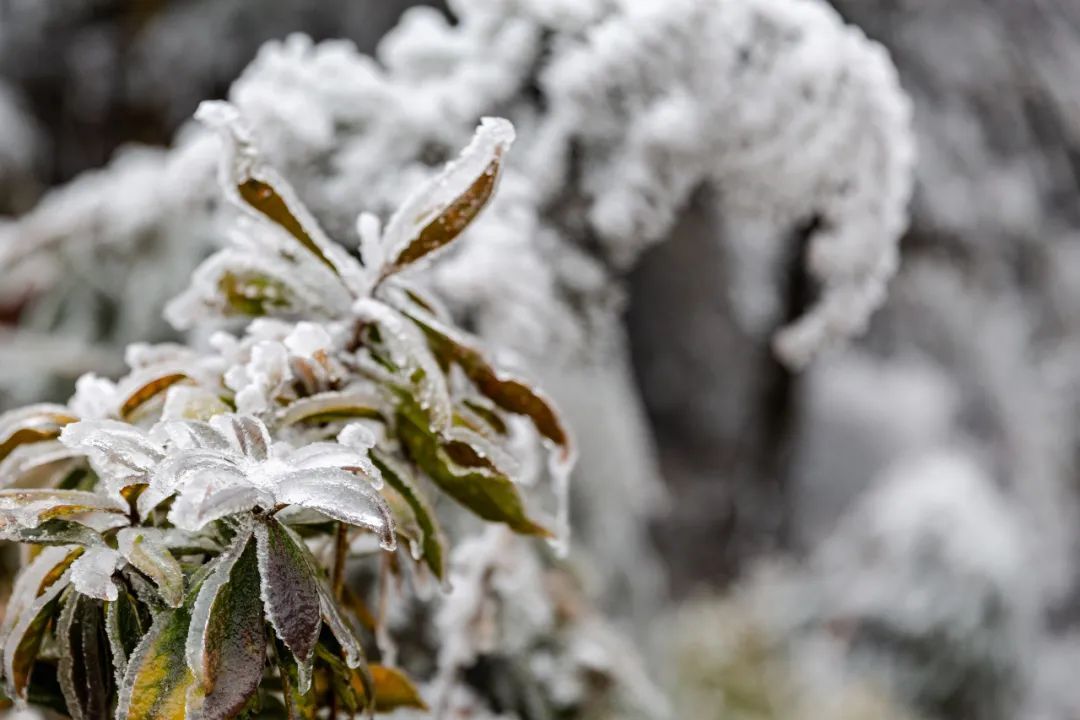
[198, 513]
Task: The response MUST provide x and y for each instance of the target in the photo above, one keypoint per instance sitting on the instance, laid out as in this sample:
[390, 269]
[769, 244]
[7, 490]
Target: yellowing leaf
[232, 643]
[149, 389]
[393, 689]
[157, 679]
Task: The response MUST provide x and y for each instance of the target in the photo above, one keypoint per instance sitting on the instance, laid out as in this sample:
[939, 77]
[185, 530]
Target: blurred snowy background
[805, 278]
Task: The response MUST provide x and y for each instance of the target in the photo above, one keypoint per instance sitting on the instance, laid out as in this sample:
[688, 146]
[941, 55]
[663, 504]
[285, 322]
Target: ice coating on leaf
[184, 402]
[340, 495]
[121, 454]
[202, 502]
[247, 435]
[357, 435]
[335, 455]
[200, 610]
[95, 397]
[26, 460]
[309, 338]
[92, 572]
[359, 402]
[408, 350]
[143, 385]
[32, 424]
[290, 594]
[32, 580]
[437, 211]
[372, 252]
[157, 679]
[261, 379]
[192, 434]
[486, 451]
[17, 657]
[144, 549]
[30, 507]
[257, 189]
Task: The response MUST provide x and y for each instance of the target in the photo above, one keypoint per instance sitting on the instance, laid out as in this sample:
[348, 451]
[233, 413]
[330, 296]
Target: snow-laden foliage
[186, 508]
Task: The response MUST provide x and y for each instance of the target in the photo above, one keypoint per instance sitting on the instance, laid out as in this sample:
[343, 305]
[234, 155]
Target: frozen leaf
[59, 532]
[330, 406]
[142, 547]
[410, 354]
[290, 594]
[226, 646]
[441, 208]
[29, 610]
[184, 402]
[92, 573]
[27, 463]
[22, 509]
[509, 393]
[261, 192]
[32, 424]
[120, 454]
[201, 503]
[157, 679]
[487, 493]
[143, 386]
[124, 628]
[399, 478]
[85, 667]
[246, 434]
[193, 435]
[340, 495]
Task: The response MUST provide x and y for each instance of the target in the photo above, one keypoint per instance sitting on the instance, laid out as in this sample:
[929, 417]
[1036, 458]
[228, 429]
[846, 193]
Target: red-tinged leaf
[439, 210]
[230, 646]
[158, 678]
[290, 593]
[32, 424]
[433, 541]
[487, 493]
[85, 669]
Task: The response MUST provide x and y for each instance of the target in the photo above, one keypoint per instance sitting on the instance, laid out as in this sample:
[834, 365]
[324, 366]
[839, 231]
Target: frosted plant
[198, 513]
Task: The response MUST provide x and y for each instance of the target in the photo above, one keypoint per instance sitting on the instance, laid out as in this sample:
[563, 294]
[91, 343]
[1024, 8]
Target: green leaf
[59, 532]
[253, 294]
[290, 594]
[300, 705]
[125, 627]
[230, 647]
[433, 541]
[85, 668]
[487, 493]
[157, 679]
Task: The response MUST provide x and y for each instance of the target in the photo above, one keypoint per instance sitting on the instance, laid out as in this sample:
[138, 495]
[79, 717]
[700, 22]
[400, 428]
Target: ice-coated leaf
[246, 434]
[290, 593]
[29, 508]
[393, 690]
[59, 532]
[144, 385]
[469, 448]
[32, 424]
[201, 503]
[226, 646]
[157, 679]
[332, 405]
[85, 668]
[300, 699]
[509, 393]
[399, 477]
[186, 402]
[258, 190]
[193, 435]
[125, 628]
[340, 495]
[27, 463]
[32, 603]
[487, 493]
[144, 549]
[441, 208]
[92, 573]
[409, 352]
[121, 454]
[315, 456]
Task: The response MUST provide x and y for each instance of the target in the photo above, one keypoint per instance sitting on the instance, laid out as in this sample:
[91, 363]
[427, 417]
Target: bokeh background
[884, 525]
